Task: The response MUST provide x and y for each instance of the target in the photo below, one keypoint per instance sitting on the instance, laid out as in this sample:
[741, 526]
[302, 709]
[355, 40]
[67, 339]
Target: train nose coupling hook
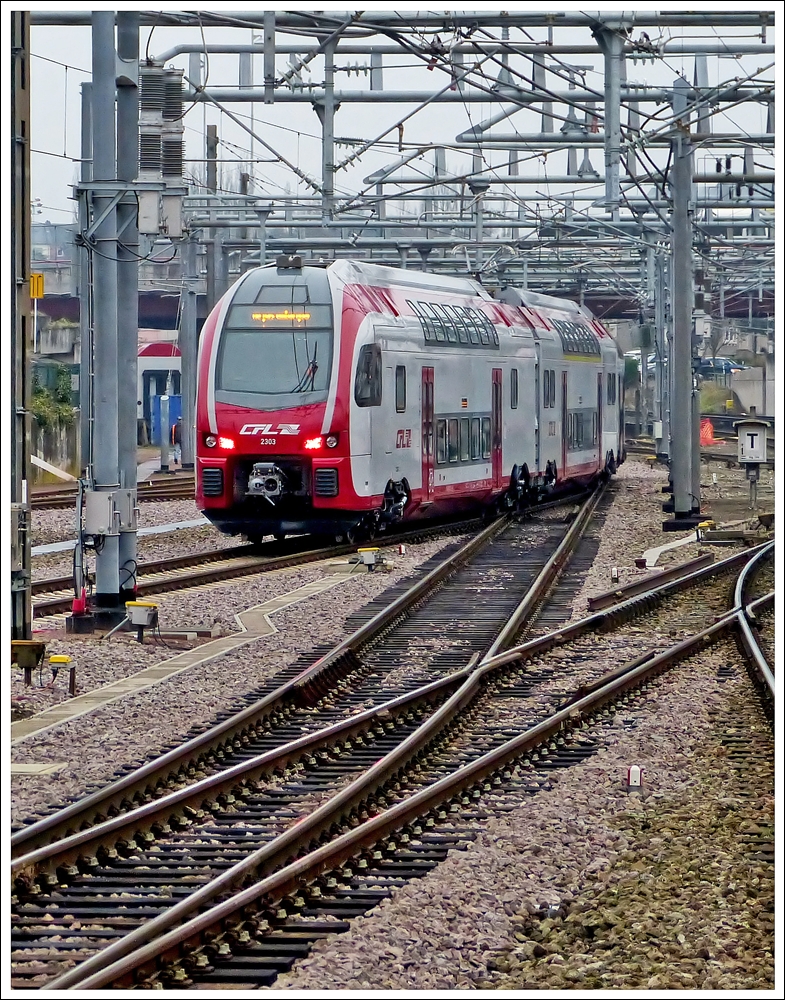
[266, 480]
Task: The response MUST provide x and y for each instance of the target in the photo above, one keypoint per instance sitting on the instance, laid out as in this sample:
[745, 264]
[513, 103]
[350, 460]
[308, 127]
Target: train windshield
[275, 354]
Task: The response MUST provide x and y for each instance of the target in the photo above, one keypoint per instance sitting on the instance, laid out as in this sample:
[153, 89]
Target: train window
[437, 323]
[470, 318]
[280, 293]
[453, 445]
[578, 430]
[513, 388]
[400, 388]
[448, 322]
[459, 321]
[441, 442]
[594, 434]
[490, 329]
[570, 430]
[453, 324]
[425, 321]
[611, 388]
[465, 439]
[549, 388]
[368, 377]
[475, 438]
[485, 336]
[486, 437]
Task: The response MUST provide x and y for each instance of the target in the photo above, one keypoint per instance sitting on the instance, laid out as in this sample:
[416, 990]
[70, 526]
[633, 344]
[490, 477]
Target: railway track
[335, 780]
[181, 488]
[55, 596]
[730, 458]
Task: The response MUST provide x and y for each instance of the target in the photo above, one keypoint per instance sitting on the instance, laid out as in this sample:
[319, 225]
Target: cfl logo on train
[268, 429]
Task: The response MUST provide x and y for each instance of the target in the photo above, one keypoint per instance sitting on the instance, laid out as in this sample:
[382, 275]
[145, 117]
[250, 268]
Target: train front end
[270, 444]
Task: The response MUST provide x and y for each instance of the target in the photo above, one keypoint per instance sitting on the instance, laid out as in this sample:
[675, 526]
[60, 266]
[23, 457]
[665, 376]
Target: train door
[496, 427]
[538, 374]
[427, 435]
[565, 429]
[600, 456]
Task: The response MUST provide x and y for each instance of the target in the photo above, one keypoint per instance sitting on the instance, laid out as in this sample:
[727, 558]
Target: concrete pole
[85, 324]
[19, 335]
[696, 450]
[127, 290]
[187, 341]
[105, 437]
[681, 359]
[667, 343]
[660, 347]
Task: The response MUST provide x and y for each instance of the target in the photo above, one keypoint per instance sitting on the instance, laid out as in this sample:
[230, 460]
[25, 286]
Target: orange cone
[707, 432]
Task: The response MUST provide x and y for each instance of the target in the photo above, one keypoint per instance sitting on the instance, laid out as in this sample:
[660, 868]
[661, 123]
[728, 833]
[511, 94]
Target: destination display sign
[270, 316]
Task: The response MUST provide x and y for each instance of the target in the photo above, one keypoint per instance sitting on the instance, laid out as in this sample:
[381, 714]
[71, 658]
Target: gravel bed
[585, 887]
[93, 746]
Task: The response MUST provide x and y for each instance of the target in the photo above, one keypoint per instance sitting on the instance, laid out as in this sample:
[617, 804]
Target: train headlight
[313, 444]
[210, 441]
[332, 441]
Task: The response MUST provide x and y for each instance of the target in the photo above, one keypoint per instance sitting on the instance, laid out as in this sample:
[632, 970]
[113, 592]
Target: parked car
[719, 369]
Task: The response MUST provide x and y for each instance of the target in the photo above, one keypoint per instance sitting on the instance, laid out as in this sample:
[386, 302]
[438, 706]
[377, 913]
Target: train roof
[524, 297]
[366, 273]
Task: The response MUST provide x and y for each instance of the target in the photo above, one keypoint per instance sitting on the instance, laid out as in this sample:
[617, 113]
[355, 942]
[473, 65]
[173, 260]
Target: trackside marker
[634, 778]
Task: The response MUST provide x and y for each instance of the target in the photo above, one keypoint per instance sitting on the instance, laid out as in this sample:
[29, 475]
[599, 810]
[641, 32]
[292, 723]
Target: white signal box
[752, 440]
[752, 450]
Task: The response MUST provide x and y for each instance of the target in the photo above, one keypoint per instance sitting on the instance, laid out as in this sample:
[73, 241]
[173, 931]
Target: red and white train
[336, 399]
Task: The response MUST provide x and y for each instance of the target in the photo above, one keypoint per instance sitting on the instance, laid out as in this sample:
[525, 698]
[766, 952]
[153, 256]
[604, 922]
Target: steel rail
[145, 492]
[305, 832]
[155, 566]
[118, 961]
[746, 616]
[56, 826]
[105, 834]
[611, 597]
[303, 689]
[259, 564]
[546, 576]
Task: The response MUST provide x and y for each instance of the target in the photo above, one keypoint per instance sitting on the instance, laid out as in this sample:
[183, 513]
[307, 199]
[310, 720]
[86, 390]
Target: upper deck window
[444, 323]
